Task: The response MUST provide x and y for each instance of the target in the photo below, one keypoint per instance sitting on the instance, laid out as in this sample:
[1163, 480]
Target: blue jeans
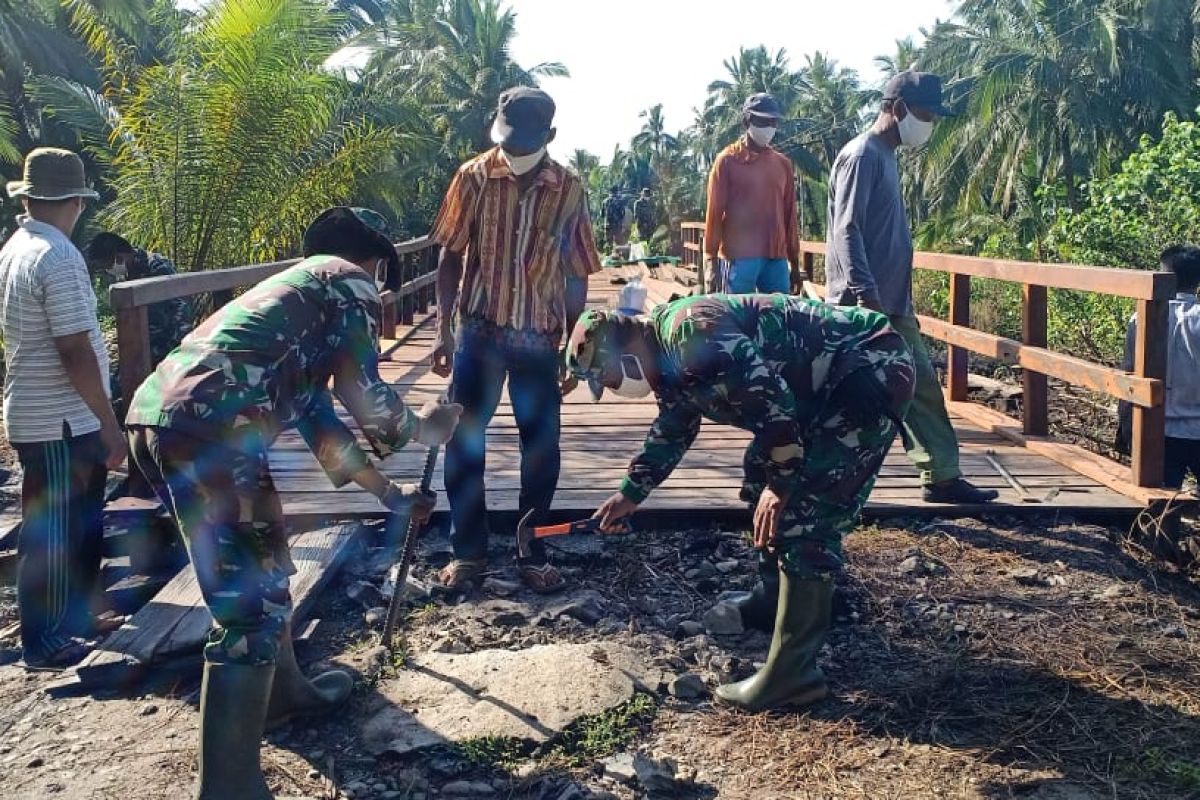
[484, 357]
[768, 275]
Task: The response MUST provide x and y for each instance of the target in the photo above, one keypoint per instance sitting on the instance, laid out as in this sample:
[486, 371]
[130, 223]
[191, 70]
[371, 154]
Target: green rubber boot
[791, 676]
[758, 608]
[233, 708]
[294, 695]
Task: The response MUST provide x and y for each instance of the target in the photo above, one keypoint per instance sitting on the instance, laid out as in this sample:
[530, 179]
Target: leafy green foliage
[1153, 202]
[494, 751]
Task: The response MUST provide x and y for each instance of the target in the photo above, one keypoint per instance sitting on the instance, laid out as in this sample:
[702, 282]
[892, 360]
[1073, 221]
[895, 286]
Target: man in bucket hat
[57, 412]
[820, 388]
[199, 430]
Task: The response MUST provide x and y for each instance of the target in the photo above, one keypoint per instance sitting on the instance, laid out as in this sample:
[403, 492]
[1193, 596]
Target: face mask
[914, 132]
[633, 379]
[381, 274]
[118, 271]
[762, 136]
[522, 164]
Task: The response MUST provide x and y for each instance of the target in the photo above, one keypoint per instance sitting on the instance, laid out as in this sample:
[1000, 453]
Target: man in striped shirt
[57, 412]
[517, 248]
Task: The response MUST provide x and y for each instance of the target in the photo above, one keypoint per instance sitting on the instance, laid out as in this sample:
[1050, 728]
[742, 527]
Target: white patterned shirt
[45, 293]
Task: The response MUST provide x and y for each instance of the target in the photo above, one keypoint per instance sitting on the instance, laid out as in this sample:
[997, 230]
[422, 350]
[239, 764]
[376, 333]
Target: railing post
[406, 301]
[133, 350]
[808, 262]
[700, 273]
[1033, 334]
[956, 357]
[1149, 424]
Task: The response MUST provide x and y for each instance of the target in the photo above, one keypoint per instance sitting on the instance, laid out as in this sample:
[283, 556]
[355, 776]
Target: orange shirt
[520, 248]
[752, 205]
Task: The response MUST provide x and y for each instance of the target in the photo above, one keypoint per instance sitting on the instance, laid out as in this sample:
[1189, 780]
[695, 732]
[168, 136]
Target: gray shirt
[1183, 367]
[869, 248]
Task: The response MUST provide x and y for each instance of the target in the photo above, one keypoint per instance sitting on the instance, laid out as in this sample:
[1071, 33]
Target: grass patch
[494, 751]
[603, 734]
[1158, 767]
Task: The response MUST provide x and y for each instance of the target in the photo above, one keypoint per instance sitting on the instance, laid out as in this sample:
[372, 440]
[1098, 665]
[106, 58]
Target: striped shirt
[520, 249]
[45, 292]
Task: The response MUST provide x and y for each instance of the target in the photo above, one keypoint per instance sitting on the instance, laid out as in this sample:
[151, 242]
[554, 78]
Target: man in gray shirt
[869, 263]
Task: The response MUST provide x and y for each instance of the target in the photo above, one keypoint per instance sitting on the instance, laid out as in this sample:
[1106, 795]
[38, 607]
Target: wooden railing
[405, 294]
[1143, 387]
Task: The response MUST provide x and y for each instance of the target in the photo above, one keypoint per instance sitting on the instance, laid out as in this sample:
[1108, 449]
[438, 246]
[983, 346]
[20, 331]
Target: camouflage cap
[344, 229]
[580, 353]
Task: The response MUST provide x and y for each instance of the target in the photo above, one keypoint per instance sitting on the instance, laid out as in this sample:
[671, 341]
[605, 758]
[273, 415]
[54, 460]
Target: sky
[627, 55]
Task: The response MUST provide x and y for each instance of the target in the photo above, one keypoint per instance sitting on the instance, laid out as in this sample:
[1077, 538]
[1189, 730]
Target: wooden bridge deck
[599, 439]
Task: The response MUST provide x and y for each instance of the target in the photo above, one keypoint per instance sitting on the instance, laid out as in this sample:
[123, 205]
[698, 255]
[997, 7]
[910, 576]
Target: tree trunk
[1068, 169]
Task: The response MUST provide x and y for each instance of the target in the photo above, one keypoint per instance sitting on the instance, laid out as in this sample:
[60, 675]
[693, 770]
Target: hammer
[526, 533]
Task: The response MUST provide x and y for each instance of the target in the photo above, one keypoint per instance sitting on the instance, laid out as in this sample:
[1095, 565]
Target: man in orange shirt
[751, 220]
[517, 248]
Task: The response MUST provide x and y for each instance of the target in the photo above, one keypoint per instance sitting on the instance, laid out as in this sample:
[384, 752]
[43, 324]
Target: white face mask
[119, 270]
[522, 164]
[762, 136]
[633, 378]
[914, 132]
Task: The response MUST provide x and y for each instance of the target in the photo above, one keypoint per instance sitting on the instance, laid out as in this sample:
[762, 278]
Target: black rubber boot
[294, 695]
[233, 708]
[791, 676]
[959, 492]
[758, 608]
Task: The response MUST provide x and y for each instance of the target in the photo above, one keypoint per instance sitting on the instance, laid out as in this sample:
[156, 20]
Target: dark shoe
[233, 708]
[790, 676]
[758, 607]
[66, 656]
[959, 492]
[293, 695]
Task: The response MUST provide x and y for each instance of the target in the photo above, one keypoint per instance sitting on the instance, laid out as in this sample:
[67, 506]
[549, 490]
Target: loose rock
[687, 686]
[723, 619]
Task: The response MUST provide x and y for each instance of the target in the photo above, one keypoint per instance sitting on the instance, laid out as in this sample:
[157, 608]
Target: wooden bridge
[598, 440]
[1033, 472]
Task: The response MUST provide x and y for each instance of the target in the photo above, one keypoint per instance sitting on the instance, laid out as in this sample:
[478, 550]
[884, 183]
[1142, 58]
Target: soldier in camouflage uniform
[822, 390]
[199, 430]
[112, 259]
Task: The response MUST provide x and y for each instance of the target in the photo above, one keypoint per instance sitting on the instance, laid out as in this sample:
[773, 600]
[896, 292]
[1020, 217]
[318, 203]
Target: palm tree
[222, 153]
[457, 55]
[653, 138]
[1060, 87]
[904, 57]
[749, 72]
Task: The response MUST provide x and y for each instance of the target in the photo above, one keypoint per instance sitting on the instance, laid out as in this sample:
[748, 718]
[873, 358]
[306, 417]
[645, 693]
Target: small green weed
[603, 734]
[494, 751]
[1157, 766]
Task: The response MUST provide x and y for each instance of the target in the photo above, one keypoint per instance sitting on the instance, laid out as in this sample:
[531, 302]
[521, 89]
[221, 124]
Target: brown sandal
[462, 571]
[542, 578]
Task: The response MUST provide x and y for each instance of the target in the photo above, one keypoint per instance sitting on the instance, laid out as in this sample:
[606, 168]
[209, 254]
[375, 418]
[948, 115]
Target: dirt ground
[995, 659]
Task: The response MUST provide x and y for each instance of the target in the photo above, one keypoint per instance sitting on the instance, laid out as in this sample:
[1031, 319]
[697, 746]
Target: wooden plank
[1149, 424]
[176, 622]
[1036, 412]
[1109, 473]
[144, 291]
[960, 315]
[1141, 391]
[1136, 284]
[133, 343]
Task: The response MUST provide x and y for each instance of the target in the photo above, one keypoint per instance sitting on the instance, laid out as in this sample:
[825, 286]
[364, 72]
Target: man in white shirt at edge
[57, 412]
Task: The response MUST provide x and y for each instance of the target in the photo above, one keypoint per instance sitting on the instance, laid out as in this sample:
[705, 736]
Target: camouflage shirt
[263, 363]
[170, 320]
[763, 363]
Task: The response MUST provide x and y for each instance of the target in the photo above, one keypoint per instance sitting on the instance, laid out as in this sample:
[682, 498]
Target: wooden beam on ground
[176, 622]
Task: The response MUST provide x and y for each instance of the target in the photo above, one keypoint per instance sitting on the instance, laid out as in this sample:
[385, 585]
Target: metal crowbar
[1017, 486]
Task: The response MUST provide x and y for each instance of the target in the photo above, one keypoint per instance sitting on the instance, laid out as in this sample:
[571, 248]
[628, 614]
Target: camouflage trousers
[225, 504]
[844, 447]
